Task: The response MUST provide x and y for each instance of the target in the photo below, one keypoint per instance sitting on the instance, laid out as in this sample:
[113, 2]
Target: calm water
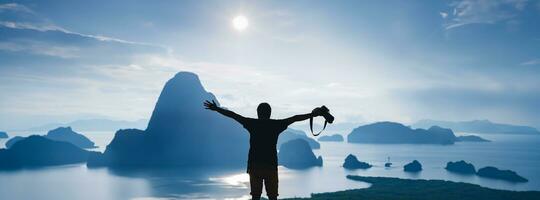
[520, 153]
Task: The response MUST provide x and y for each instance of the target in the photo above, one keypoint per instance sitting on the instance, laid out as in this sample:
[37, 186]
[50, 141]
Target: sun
[240, 23]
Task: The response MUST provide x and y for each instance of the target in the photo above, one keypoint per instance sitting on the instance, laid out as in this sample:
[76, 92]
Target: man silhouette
[264, 132]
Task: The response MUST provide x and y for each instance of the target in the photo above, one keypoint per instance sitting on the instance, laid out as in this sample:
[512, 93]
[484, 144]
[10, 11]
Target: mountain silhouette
[478, 126]
[179, 133]
[331, 138]
[94, 125]
[35, 151]
[3, 134]
[63, 134]
[291, 134]
[13, 140]
[396, 133]
[296, 154]
[66, 134]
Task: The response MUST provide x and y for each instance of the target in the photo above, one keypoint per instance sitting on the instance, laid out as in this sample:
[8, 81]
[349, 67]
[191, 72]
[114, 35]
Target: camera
[325, 112]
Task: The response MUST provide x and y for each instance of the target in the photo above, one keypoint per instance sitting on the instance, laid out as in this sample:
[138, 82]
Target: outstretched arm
[213, 106]
[316, 112]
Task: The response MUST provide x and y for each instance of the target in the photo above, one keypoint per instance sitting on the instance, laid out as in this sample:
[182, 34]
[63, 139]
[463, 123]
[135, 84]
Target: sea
[520, 153]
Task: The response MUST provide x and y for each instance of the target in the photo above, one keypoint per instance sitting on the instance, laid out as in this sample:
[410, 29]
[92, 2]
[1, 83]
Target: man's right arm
[213, 106]
[231, 114]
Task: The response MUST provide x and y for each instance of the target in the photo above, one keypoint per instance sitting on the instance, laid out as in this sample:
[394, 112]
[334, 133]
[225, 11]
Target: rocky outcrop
[460, 167]
[13, 140]
[494, 173]
[470, 138]
[66, 134]
[396, 133]
[413, 166]
[351, 162]
[35, 151]
[297, 154]
[479, 126]
[331, 138]
[291, 134]
[62, 134]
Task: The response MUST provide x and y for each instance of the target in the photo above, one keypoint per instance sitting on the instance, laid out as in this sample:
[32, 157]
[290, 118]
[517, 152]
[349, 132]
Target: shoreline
[385, 188]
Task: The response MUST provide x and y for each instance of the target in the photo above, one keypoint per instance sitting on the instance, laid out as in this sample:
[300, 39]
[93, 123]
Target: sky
[367, 61]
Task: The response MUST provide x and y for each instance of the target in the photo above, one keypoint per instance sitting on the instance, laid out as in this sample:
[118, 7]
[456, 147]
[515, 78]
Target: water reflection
[233, 183]
[191, 183]
[79, 182]
[236, 180]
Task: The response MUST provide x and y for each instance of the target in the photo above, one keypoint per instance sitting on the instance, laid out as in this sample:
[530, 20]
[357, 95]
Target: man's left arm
[316, 112]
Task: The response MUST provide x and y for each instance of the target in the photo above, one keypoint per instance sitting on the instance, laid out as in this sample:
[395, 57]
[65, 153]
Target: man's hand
[210, 105]
[317, 111]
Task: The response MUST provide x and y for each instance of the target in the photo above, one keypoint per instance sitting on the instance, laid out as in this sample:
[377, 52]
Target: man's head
[264, 110]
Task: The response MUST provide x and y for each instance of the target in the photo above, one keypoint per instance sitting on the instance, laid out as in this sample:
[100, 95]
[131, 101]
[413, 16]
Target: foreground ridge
[396, 188]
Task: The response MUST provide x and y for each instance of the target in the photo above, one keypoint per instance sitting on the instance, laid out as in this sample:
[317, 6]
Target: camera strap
[311, 127]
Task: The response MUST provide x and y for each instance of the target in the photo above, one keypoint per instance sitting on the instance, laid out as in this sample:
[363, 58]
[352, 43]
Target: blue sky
[367, 60]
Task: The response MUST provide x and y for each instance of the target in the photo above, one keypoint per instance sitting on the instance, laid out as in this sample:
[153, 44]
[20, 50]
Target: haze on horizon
[366, 60]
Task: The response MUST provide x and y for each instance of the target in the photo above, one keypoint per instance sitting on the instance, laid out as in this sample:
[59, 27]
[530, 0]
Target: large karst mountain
[180, 133]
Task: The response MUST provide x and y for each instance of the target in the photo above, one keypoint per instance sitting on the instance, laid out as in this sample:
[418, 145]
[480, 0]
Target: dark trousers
[270, 179]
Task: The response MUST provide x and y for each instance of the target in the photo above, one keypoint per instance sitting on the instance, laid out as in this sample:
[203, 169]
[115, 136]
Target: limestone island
[13, 140]
[66, 134]
[460, 167]
[296, 154]
[470, 138]
[494, 173]
[331, 138]
[36, 151]
[351, 162]
[479, 126]
[413, 166]
[396, 133]
[291, 134]
[62, 134]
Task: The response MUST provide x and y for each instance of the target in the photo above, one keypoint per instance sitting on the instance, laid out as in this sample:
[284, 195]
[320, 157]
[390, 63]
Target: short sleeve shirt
[263, 140]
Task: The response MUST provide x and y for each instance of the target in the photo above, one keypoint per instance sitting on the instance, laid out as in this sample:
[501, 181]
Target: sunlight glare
[236, 180]
[240, 23]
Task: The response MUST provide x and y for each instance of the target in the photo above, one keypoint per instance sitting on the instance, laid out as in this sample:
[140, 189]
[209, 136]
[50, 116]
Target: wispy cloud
[44, 25]
[444, 15]
[15, 7]
[40, 48]
[52, 27]
[531, 62]
[467, 12]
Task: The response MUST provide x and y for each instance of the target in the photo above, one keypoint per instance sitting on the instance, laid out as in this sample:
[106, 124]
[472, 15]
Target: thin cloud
[467, 12]
[51, 27]
[40, 48]
[531, 62]
[15, 7]
[43, 25]
[443, 15]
